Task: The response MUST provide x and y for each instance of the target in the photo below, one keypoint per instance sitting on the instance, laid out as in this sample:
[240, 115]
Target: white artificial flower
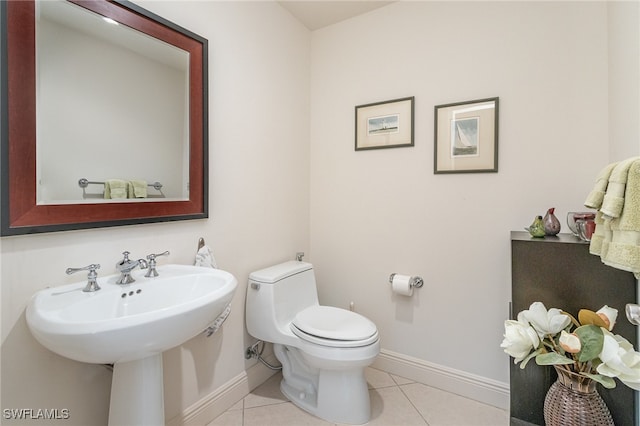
[570, 342]
[546, 322]
[608, 315]
[620, 360]
[519, 339]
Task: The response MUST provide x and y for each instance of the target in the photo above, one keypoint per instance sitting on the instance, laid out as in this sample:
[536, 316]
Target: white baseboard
[469, 385]
[225, 397]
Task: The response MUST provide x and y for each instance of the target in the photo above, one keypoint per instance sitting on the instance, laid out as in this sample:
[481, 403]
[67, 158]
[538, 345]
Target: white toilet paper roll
[401, 284]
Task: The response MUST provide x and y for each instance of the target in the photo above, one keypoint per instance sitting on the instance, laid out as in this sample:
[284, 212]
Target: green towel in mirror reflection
[120, 189]
[115, 188]
[137, 188]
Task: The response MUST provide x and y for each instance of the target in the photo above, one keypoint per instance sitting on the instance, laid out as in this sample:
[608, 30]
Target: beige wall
[259, 215]
[624, 78]
[378, 212]
[275, 87]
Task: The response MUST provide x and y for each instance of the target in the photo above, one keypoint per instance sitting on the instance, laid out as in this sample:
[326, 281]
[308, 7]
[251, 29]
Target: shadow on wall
[405, 295]
[204, 359]
[71, 390]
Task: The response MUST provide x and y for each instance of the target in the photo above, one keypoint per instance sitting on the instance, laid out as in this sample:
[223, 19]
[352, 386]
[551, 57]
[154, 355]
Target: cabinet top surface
[560, 238]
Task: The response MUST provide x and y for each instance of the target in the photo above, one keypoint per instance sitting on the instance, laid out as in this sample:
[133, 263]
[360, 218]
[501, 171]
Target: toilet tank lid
[278, 272]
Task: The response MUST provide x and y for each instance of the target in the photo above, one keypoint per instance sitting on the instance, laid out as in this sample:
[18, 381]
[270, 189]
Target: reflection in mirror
[144, 120]
[114, 89]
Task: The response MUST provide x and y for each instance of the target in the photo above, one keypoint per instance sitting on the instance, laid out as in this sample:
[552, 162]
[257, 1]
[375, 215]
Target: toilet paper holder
[415, 281]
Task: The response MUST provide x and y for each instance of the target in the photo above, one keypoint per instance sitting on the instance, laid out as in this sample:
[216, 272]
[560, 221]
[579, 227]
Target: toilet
[323, 350]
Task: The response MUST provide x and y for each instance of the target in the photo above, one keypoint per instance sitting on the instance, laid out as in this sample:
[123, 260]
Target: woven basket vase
[573, 401]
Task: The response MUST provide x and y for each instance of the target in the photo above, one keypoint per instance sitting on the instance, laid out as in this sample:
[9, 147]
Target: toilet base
[343, 404]
[337, 396]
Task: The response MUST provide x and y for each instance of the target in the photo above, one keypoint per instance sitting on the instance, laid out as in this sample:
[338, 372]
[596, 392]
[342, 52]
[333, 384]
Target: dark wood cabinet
[561, 273]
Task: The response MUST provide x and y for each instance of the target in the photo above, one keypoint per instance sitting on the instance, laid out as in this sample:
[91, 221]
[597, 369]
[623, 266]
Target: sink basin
[121, 323]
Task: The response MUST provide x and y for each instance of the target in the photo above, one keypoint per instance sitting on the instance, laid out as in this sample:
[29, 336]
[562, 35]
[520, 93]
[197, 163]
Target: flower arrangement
[585, 346]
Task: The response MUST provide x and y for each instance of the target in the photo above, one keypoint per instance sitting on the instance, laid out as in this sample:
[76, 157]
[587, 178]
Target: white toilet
[323, 350]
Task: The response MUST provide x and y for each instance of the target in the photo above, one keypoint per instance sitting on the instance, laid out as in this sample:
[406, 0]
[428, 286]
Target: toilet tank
[275, 295]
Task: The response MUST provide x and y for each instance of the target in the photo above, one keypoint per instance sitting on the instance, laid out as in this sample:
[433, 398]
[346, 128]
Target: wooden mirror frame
[20, 213]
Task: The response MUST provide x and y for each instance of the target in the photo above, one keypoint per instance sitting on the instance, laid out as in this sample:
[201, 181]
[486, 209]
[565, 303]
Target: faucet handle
[91, 268]
[152, 257]
[152, 264]
[92, 276]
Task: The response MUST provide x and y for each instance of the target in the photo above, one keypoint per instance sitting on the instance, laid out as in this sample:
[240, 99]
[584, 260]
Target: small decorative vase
[551, 223]
[536, 229]
[573, 401]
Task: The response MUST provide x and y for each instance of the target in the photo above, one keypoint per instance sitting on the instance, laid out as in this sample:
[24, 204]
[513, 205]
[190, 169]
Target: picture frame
[466, 137]
[387, 124]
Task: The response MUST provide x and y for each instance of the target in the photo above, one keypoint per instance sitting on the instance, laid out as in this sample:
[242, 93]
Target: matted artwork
[387, 124]
[466, 137]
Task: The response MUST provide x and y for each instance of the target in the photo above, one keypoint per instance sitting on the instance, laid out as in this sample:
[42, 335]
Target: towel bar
[84, 183]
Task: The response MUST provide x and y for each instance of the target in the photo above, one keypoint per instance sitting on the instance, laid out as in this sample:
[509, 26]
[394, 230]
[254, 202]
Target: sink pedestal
[137, 396]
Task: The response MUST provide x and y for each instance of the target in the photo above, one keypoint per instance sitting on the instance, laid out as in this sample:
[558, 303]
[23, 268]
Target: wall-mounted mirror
[104, 117]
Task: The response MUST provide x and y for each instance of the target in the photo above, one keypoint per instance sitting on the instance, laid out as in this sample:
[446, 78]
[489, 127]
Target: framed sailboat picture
[386, 124]
[466, 137]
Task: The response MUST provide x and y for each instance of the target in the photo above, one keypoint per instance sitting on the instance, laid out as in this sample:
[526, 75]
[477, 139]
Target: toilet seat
[334, 327]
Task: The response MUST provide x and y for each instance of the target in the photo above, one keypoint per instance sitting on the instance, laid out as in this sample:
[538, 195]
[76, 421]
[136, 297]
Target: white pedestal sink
[130, 326]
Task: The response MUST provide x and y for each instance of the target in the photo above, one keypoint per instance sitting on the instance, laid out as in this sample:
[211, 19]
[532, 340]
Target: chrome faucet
[125, 266]
[92, 277]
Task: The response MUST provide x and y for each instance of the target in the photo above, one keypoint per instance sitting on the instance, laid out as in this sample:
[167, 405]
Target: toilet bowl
[323, 349]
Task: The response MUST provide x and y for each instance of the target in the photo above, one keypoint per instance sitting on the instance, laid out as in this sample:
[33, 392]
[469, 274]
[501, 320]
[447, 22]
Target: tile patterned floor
[395, 401]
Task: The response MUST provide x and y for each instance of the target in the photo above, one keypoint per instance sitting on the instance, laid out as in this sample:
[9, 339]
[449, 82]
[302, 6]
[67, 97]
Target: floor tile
[238, 405]
[390, 407]
[401, 380]
[284, 414]
[266, 394]
[440, 408]
[228, 418]
[377, 378]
